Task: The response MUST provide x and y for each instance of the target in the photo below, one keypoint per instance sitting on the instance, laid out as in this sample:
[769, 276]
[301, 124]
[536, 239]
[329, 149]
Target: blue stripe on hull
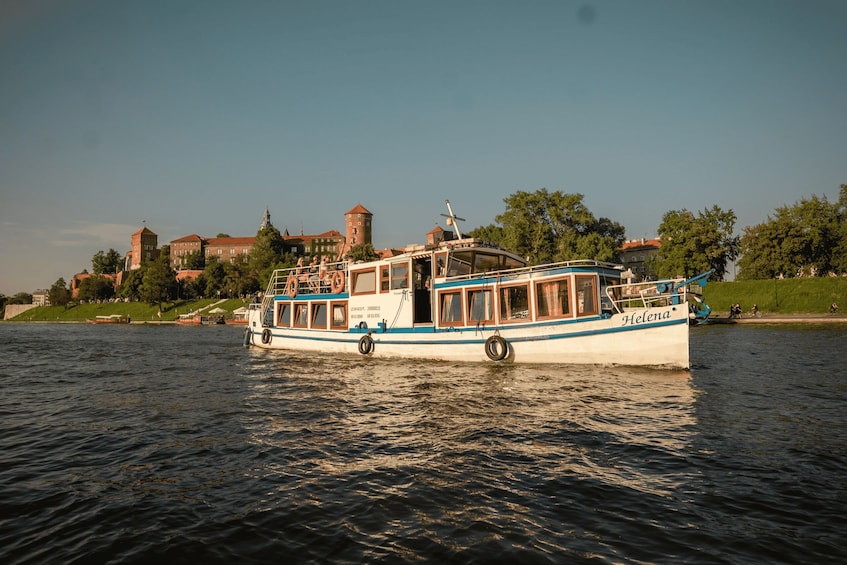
[385, 338]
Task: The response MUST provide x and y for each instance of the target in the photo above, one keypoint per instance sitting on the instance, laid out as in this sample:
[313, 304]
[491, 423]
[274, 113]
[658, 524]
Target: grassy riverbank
[137, 311]
[786, 296]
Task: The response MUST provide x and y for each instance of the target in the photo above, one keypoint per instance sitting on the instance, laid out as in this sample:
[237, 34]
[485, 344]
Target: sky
[195, 116]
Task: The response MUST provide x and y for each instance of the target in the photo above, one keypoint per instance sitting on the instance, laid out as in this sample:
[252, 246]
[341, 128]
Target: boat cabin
[447, 286]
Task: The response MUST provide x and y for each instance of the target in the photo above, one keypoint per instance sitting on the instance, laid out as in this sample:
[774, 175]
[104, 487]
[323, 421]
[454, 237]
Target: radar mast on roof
[451, 220]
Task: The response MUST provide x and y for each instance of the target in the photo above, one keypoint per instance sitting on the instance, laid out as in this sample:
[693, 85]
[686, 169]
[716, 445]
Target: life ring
[336, 282]
[366, 344]
[496, 348]
[266, 336]
[291, 286]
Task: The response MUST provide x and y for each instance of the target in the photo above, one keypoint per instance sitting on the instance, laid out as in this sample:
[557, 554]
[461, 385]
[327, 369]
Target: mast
[451, 220]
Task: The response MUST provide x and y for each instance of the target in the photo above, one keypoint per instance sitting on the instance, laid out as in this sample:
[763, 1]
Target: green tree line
[808, 238]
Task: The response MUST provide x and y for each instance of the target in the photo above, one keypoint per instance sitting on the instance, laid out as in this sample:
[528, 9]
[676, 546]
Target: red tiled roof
[192, 237]
[639, 243]
[230, 241]
[359, 209]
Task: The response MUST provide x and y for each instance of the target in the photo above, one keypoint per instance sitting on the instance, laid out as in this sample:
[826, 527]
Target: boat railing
[648, 294]
[534, 269]
[310, 279]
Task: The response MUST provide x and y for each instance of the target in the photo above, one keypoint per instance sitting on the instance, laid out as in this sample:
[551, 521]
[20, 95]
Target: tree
[95, 287]
[362, 252]
[804, 239]
[839, 253]
[491, 233]
[194, 260]
[106, 263]
[553, 226]
[238, 280]
[20, 298]
[131, 286]
[158, 284]
[59, 294]
[266, 254]
[213, 276]
[692, 245]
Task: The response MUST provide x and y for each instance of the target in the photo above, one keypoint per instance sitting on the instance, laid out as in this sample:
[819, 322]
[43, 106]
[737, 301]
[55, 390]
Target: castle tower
[144, 248]
[358, 226]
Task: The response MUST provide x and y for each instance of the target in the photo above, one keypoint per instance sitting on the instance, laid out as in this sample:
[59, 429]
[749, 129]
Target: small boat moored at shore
[111, 319]
[463, 299]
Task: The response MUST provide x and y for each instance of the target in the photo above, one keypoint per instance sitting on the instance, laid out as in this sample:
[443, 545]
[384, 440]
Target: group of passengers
[316, 274]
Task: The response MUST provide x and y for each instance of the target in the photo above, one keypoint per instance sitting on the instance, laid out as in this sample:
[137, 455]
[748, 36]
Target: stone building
[635, 255]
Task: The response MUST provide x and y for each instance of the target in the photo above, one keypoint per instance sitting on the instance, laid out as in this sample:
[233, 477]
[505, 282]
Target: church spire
[266, 220]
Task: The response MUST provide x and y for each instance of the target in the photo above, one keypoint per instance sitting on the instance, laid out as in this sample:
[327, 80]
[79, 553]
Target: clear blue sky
[196, 115]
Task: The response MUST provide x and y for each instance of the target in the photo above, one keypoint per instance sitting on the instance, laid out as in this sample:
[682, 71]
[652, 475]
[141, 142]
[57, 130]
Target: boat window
[319, 315]
[440, 264]
[450, 308]
[399, 275]
[552, 299]
[384, 278]
[363, 282]
[586, 292]
[459, 264]
[480, 306]
[509, 263]
[301, 315]
[483, 262]
[283, 310]
[339, 316]
[514, 303]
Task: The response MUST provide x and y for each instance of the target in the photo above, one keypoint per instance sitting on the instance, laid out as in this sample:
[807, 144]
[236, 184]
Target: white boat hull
[655, 336]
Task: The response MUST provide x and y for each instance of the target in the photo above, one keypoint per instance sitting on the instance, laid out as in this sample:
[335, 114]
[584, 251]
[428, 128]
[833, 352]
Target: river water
[131, 444]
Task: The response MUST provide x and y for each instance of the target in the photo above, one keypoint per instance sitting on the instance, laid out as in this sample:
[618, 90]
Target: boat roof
[457, 244]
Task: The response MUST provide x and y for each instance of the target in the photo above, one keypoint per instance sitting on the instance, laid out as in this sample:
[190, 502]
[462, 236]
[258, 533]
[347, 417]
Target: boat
[198, 320]
[462, 299]
[111, 319]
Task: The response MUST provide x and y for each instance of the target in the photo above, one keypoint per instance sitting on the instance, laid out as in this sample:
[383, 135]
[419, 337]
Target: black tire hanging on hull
[496, 348]
[366, 344]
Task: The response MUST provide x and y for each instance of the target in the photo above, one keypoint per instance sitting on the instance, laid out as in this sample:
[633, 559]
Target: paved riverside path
[776, 318]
